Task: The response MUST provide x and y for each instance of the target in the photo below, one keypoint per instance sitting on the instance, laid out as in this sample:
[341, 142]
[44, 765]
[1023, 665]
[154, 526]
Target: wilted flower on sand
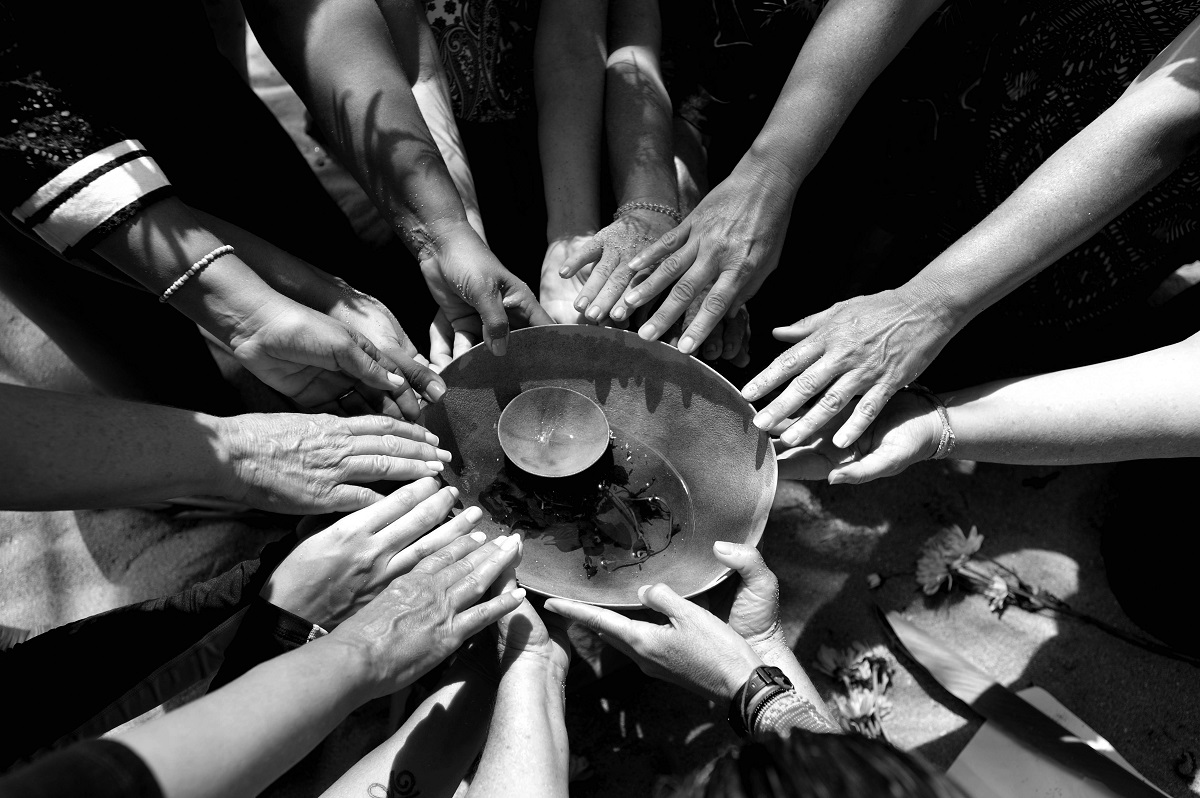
[874, 581]
[943, 555]
[865, 673]
[997, 593]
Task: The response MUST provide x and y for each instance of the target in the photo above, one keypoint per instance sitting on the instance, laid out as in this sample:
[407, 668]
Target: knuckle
[833, 400]
[670, 238]
[683, 292]
[805, 384]
[716, 303]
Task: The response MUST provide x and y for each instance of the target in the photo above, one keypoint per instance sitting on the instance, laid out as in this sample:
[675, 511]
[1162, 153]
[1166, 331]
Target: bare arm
[1084, 185]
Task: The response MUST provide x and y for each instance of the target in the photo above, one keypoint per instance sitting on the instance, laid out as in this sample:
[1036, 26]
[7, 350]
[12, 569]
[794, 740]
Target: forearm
[526, 752]
[849, 46]
[236, 741]
[637, 107]
[1083, 186]
[365, 107]
[569, 56]
[162, 242]
[66, 451]
[432, 752]
[1138, 407]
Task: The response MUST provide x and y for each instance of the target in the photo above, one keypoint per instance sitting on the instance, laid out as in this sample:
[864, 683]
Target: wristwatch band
[765, 683]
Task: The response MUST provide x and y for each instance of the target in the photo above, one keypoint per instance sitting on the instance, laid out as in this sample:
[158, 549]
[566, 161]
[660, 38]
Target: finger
[864, 415]
[377, 402]
[348, 498]
[354, 404]
[458, 526]
[396, 504]
[359, 358]
[836, 398]
[734, 338]
[381, 467]
[748, 562]
[661, 598]
[790, 364]
[470, 577]
[397, 446]
[383, 425]
[424, 381]
[801, 329]
[610, 293]
[430, 511]
[465, 340]
[525, 309]
[872, 466]
[715, 343]
[488, 302]
[441, 340]
[606, 623]
[671, 241]
[803, 463]
[679, 299]
[475, 619]
[723, 297]
[451, 553]
[596, 281]
[580, 259]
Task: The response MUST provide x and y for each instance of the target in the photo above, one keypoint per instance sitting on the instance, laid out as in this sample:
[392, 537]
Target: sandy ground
[641, 736]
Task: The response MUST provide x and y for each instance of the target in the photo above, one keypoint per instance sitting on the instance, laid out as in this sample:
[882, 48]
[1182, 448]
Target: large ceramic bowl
[670, 403]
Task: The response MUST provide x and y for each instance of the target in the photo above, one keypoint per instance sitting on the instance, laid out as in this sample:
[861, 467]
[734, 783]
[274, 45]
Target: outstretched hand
[907, 431]
[869, 346]
[478, 297]
[693, 649]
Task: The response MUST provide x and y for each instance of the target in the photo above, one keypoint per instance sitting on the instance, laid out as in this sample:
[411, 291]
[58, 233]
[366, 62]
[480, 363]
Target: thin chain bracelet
[649, 206]
[948, 441]
[197, 267]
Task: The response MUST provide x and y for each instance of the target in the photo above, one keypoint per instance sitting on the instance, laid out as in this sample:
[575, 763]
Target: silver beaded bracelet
[948, 441]
[197, 267]
[649, 206]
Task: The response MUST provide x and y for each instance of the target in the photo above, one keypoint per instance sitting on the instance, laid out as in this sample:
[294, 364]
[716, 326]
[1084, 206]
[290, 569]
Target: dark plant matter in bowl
[682, 426]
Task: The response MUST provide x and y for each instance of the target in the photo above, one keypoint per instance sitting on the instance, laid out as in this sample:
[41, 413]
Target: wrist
[430, 239]
[769, 166]
[770, 644]
[534, 667]
[228, 450]
[359, 679]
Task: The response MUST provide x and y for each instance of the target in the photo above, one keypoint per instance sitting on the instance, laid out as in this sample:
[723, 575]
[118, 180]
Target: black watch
[766, 681]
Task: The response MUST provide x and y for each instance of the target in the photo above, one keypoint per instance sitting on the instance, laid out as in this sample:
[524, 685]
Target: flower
[997, 594]
[874, 581]
[943, 555]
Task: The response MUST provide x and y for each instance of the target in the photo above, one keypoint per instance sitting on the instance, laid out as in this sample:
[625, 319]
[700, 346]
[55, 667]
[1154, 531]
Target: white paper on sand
[994, 765]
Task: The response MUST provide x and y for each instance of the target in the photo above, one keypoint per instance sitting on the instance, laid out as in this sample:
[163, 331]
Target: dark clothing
[96, 768]
[90, 676]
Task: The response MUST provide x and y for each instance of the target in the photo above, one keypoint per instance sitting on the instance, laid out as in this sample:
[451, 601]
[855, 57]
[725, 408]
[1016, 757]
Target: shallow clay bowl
[670, 402]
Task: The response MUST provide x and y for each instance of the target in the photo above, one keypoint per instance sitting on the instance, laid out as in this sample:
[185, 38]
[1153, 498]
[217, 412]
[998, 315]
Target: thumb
[661, 598]
[749, 564]
[801, 329]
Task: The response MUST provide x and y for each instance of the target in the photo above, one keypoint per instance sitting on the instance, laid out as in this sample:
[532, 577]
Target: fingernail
[499, 346]
[618, 313]
[841, 441]
[435, 465]
[836, 479]
[721, 547]
[399, 382]
[473, 514]
[477, 536]
[648, 332]
[764, 419]
[453, 491]
[444, 455]
[563, 272]
[687, 344]
[435, 391]
[518, 594]
[633, 297]
[431, 438]
[507, 542]
[593, 313]
[642, 592]
[581, 302]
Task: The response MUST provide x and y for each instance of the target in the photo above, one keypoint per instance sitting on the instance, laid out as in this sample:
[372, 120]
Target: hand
[309, 357]
[423, 616]
[755, 611]
[870, 346]
[732, 238]
[337, 570]
[476, 294]
[729, 340]
[523, 636]
[907, 431]
[612, 250]
[556, 293]
[293, 463]
[694, 650]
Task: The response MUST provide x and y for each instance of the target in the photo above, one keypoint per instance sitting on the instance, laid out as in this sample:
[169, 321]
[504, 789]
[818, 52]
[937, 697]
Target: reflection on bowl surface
[685, 426]
[553, 432]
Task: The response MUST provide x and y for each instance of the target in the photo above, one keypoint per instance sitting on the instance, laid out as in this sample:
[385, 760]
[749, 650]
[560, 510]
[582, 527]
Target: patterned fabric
[487, 50]
[789, 711]
[68, 179]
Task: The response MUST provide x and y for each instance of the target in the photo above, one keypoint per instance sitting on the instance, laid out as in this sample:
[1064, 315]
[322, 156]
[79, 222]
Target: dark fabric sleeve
[63, 678]
[71, 178]
[96, 768]
[266, 631]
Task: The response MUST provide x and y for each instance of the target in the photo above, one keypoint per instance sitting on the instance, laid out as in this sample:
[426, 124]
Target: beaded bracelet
[649, 206]
[948, 441]
[197, 267]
